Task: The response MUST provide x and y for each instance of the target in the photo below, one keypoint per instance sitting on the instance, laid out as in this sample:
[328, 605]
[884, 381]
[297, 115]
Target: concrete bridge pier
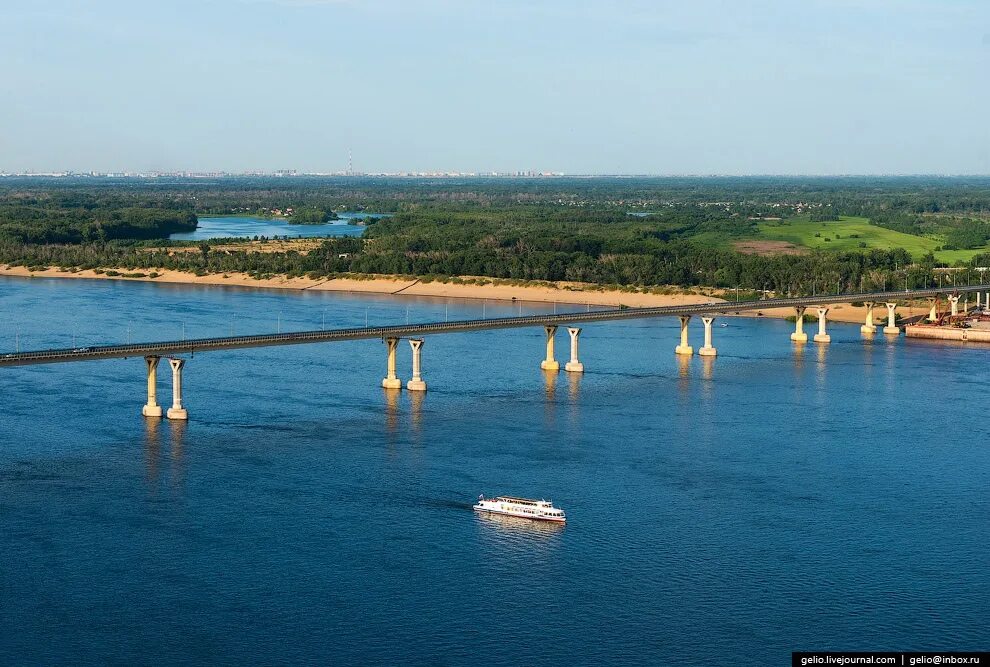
[707, 350]
[799, 336]
[822, 336]
[550, 363]
[891, 327]
[954, 304]
[177, 411]
[684, 348]
[151, 408]
[391, 381]
[574, 365]
[977, 301]
[869, 327]
[416, 383]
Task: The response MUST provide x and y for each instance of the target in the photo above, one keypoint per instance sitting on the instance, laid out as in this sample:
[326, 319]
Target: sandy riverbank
[562, 293]
[575, 293]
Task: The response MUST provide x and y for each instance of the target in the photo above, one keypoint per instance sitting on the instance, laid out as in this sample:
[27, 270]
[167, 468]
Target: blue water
[250, 226]
[778, 498]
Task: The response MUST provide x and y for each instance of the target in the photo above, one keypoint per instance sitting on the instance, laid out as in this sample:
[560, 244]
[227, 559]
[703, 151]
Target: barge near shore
[973, 326]
[947, 333]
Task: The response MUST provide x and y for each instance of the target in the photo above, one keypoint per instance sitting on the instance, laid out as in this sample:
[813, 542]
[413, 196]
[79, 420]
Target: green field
[852, 233]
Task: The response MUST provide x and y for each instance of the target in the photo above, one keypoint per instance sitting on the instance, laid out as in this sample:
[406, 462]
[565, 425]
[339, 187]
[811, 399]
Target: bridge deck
[164, 348]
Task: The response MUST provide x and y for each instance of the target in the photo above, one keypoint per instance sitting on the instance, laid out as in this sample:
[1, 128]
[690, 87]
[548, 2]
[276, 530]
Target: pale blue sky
[582, 86]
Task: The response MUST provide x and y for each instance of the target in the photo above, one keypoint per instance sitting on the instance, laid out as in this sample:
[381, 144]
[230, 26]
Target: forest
[56, 216]
[617, 232]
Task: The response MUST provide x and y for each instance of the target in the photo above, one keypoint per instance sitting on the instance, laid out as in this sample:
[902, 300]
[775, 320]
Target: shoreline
[573, 293]
[563, 293]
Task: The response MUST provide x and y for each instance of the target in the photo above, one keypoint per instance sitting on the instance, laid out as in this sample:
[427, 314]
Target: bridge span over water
[153, 351]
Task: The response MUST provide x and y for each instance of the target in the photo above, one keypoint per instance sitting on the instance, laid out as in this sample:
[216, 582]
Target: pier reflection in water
[684, 377]
[392, 409]
[707, 376]
[574, 399]
[549, 398]
[799, 350]
[574, 386]
[177, 431]
[821, 367]
[416, 399]
[550, 384]
[154, 456]
[707, 367]
[152, 450]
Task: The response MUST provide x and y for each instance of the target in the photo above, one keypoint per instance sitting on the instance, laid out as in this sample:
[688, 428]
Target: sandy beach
[571, 293]
[575, 293]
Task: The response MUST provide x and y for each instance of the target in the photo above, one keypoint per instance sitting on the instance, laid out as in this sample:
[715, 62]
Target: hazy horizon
[708, 88]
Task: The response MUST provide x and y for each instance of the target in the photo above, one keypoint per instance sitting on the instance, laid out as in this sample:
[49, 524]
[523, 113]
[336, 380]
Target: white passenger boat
[539, 510]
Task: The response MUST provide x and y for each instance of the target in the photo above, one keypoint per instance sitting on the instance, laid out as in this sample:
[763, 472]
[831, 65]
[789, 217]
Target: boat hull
[520, 515]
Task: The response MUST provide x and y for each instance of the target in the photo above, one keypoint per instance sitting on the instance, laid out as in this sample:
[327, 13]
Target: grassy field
[851, 233]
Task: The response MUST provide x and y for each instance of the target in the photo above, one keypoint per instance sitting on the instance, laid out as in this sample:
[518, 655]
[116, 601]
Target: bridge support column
[891, 327]
[933, 313]
[684, 348]
[416, 383]
[391, 381]
[822, 336]
[550, 363]
[177, 411]
[574, 365]
[869, 327]
[954, 303]
[151, 408]
[707, 350]
[799, 336]
[978, 301]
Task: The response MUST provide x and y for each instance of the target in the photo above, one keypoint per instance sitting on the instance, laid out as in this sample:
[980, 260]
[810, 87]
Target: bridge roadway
[176, 347]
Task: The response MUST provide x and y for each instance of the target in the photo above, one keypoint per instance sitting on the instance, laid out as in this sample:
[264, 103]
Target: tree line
[543, 230]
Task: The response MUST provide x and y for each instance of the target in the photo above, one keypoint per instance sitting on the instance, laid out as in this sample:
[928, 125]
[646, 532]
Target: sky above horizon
[575, 86]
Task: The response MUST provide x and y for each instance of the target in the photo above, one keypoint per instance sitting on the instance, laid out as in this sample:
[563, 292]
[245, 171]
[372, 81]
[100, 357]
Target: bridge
[153, 351]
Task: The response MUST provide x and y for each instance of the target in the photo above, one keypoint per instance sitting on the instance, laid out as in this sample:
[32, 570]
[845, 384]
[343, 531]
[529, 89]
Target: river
[778, 498]
[241, 226]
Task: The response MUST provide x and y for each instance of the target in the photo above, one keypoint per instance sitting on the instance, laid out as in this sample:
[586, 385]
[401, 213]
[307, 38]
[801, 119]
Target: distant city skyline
[584, 87]
[293, 173]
